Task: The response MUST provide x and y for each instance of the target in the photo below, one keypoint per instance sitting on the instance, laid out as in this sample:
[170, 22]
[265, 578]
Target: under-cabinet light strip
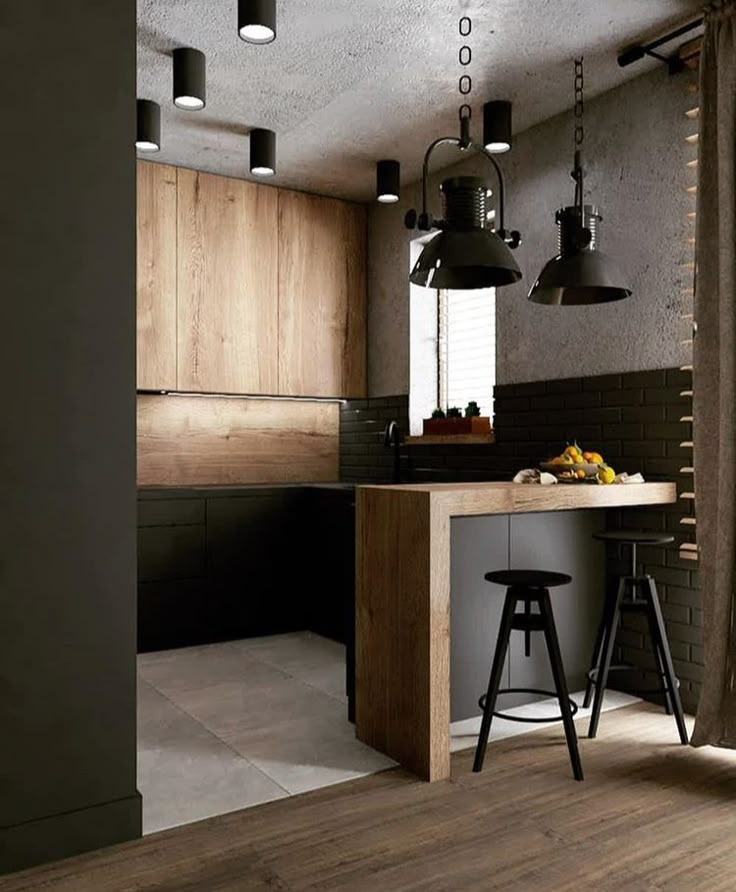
[245, 396]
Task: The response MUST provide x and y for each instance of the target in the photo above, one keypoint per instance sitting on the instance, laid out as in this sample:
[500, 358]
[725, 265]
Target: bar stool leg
[596, 657]
[558, 673]
[662, 645]
[609, 639]
[654, 637]
[494, 682]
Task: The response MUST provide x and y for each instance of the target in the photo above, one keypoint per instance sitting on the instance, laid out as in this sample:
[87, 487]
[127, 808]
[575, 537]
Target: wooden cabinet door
[228, 285]
[156, 276]
[322, 296]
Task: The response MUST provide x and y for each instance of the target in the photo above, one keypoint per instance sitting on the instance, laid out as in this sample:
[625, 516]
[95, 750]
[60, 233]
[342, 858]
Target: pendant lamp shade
[148, 126]
[262, 152]
[257, 20]
[189, 79]
[497, 126]
[388, 189]
[465, 255]
[580, 274]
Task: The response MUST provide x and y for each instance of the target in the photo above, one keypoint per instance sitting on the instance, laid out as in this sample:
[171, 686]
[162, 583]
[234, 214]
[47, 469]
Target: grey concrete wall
[67, 444]
[634, 155]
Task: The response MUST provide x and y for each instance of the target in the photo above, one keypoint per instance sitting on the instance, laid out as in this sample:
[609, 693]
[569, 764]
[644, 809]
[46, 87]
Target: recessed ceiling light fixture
[388, 189]
[262, 152]
[189, 79]
[257, 20]
[579, 274]
[466, 254]
[497, 126]
[148, 126]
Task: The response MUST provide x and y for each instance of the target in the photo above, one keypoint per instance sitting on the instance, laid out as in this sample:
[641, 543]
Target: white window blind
[466, 346]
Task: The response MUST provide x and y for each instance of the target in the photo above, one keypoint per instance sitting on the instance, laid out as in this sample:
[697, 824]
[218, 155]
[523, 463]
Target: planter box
[448, 427]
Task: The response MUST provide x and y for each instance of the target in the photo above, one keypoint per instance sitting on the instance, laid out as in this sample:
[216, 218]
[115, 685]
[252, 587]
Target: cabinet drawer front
[170, 512]
[175, 552]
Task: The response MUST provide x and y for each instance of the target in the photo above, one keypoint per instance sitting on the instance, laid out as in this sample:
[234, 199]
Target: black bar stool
[634, 594]
[529, 587]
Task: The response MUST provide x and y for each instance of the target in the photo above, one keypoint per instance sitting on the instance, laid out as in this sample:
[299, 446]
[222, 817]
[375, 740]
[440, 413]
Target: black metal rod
[638, 51]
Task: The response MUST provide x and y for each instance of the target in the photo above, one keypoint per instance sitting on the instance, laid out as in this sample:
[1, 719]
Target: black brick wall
[633, 419]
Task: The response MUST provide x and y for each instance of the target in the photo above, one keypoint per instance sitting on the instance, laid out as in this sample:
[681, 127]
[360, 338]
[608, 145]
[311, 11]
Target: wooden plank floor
[651, 815]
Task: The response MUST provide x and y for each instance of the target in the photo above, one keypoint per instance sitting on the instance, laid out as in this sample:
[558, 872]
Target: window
[466, 348]
[452, 348]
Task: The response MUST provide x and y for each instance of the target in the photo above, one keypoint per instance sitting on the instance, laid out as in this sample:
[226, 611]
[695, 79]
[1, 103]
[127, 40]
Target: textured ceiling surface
[350, 81]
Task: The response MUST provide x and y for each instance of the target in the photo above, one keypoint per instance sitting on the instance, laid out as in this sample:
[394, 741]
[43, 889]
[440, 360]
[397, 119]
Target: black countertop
[215, 491]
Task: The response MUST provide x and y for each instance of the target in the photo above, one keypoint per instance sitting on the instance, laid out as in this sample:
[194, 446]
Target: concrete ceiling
[350, 81]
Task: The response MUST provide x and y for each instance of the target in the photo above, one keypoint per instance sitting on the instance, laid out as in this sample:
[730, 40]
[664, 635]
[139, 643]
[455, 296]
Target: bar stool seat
[529, 587]
[636, 592]
[528, 578]
[635, 537]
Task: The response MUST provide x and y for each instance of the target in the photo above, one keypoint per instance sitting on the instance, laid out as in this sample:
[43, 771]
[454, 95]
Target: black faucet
[392, 437]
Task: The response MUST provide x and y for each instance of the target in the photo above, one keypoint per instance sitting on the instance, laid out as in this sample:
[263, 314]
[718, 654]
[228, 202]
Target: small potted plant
[452, 422]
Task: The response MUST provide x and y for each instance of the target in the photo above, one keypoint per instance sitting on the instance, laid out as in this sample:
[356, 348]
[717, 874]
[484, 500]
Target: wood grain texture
[322, 296]
[156, 276]
[228, 285]
[403, 633]
[188, 441]
[650, 816]
[403, 601]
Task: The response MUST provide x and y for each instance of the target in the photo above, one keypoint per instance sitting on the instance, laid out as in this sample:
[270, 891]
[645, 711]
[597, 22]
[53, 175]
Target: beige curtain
[715, 374]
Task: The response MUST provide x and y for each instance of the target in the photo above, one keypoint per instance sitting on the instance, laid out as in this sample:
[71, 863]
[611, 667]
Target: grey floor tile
[307, 751]
[194, 669]
[185, 773]
[315, 660]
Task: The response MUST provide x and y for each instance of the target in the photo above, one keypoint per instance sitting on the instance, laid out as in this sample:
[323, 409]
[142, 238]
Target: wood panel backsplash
[190, 441]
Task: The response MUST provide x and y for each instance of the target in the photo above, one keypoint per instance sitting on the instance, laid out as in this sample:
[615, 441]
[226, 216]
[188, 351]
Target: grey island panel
[557, 540]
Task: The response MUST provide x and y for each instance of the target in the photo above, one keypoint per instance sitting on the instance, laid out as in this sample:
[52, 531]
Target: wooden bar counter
[403, 600]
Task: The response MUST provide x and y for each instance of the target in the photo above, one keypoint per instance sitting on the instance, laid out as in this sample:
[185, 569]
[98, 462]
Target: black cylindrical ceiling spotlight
[189, 79]
[388, 189]
[262, 153]
[257, 20]
[497, 126]
[148, 126]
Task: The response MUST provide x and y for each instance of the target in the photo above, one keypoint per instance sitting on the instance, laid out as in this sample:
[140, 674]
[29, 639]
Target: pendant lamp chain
[577, 173]
[465, 84]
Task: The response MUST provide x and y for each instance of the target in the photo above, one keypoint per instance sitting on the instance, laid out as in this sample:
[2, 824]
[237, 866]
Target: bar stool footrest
[592, 676]
[533, 721]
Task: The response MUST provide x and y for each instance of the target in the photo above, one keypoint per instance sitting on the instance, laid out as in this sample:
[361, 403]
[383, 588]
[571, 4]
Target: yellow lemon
[606, 474]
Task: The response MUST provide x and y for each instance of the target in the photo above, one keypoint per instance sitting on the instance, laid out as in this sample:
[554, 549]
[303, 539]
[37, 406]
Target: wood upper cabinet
[322, 296]
[156, 276]
[227, 285]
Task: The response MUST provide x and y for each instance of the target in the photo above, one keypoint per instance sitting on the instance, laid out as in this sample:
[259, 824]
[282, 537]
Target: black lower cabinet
[332, 605]
[227, 563]
[254, 563]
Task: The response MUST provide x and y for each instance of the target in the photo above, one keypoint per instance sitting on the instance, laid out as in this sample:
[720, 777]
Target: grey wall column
[67, 437]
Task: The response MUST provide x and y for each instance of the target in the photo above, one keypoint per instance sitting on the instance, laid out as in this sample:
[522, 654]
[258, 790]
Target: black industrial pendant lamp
[189, 79]
[497, 126]
[262, 152]
[579, 274]
[466, 254]
[388, 189]
[148, 126]
[257, 20]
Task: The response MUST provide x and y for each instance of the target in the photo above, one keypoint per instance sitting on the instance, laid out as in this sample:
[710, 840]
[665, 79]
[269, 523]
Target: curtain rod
[638, 51]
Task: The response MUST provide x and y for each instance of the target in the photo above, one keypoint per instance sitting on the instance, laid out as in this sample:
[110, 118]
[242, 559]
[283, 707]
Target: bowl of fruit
[575, 465]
